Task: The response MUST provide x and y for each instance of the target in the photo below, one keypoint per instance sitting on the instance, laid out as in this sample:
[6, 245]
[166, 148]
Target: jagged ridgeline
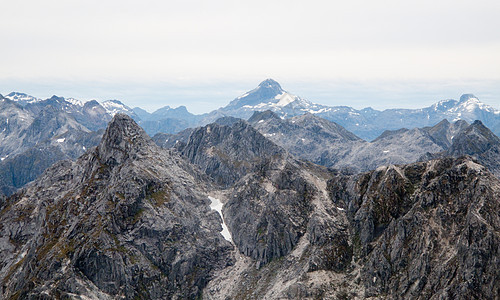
[132, 220]
[127, 219]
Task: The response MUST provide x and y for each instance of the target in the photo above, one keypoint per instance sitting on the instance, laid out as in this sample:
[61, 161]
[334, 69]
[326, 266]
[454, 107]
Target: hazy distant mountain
[267, 96]
[39, 133]
[326, 143]
[21, 98]
[114, 107]
[477, 141]
[142, 113]
[366, 123]
[166, 119]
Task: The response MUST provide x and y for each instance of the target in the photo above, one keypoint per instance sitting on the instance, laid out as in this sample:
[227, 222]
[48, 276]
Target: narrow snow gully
[216, 204]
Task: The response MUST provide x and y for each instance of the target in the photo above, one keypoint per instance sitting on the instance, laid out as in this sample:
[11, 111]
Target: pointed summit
[467, 97]
[266, 92]
[123, 139]
[263, 115]
[270, 84]
[473, 140]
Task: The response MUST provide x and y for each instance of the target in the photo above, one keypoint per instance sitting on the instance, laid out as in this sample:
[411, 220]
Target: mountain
[326, 143]
[267, 96]
[366, 123]
[477, 141]
[228, 153]
[164, 126]
[268, 195]
[141, 113]
[114, 107]
[91, 115]
[18, 170]
[131, 220]
[307, 136]
[166, 120]
[40, 133]
[424, 230]
[21, 98]
[167, 112]
[126, 220]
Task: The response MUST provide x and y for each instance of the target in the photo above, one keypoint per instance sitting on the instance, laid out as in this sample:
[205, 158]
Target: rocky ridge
[326, 143]
[127, 219]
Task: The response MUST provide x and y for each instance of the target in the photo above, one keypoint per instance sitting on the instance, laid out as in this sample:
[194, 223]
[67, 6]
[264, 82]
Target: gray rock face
[425, 230]
[477, 141]
[126, 220]
[268, 211]
[323, 142]
[131, 220]
[308, 137]
[269, 197]
[227, 153]
[32, 142]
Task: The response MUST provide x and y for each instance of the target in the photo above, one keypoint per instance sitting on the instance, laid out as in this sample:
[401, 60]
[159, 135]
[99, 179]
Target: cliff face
[425, 230]
[127, 219]
[477, 141]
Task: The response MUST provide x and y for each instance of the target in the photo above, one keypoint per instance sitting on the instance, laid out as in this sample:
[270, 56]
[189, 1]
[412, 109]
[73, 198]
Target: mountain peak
[263, 115]
[122, 139]
[467, 97]
[21, 98]
[270, 84]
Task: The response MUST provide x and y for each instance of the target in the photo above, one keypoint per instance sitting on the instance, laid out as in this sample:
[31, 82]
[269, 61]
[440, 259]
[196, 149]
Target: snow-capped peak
[469, 103]
[468, 97]
[75, 101]
[22, 98]
[270, 84]
[115, 106]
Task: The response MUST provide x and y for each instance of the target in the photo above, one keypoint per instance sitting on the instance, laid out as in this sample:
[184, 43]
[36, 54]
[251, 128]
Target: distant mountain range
[366, 123]
[35, 133]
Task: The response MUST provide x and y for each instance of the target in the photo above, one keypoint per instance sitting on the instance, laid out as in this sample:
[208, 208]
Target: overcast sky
[202, 54]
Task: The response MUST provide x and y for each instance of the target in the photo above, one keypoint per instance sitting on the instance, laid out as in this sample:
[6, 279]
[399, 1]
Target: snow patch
[75, 101]
[284, 99]
[114, 106]
[242, 96]
[217, 206]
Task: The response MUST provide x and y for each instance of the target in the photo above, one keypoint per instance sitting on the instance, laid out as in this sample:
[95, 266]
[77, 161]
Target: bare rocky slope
[329, 144]
[427, 230]
[126, 220]
[131, 220]
[477, 141]
[304, 232]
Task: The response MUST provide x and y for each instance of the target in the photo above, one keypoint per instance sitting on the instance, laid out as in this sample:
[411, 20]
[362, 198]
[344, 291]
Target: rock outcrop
[425, 230]
[477, 141]
[126, 220]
